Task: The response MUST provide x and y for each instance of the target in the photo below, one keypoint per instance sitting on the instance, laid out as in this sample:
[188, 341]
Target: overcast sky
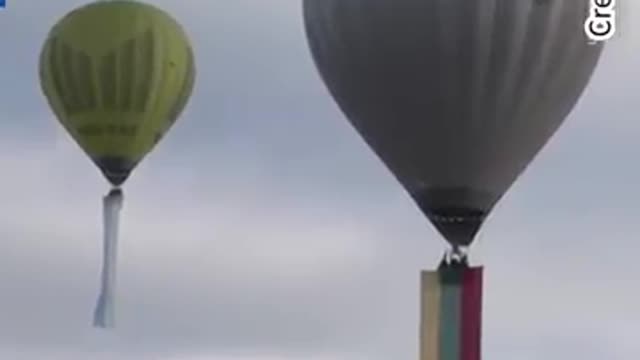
[262, 227]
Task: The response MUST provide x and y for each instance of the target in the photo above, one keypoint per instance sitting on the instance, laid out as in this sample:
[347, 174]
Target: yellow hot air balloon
[117, 74]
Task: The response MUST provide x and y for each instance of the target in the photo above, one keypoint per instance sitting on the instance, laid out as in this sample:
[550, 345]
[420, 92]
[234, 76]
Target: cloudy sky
[263, 228]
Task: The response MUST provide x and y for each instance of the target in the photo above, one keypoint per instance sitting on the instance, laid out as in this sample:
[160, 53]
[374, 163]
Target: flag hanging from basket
[451, 313]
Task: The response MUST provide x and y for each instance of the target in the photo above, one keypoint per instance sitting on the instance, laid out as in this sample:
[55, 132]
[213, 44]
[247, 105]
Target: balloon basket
[451, 312]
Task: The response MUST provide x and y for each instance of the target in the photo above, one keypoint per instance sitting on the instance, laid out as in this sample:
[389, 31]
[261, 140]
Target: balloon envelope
[117, 74]
[455, 96]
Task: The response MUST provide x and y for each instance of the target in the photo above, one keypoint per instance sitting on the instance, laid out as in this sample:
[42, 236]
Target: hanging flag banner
[451, 313]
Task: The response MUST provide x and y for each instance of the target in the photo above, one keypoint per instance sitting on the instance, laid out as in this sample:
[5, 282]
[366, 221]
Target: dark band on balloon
[186, 88]
[127, 74]
[85, 81]
[108, 129]
[144, 78]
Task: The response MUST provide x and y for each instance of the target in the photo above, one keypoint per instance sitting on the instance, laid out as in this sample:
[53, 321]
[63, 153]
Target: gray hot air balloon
[455, 96]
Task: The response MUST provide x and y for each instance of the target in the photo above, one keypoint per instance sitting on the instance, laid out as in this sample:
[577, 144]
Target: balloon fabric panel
[456, 97]
[117, 78]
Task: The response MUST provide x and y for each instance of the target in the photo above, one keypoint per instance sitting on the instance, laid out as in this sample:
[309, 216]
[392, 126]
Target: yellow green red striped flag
[451, 314]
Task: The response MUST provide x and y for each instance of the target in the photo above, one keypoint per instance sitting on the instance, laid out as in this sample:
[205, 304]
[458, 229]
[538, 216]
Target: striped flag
[451, 319]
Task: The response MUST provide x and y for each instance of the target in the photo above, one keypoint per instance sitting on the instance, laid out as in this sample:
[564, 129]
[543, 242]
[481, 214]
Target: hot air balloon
[117, 75]
[456, 97]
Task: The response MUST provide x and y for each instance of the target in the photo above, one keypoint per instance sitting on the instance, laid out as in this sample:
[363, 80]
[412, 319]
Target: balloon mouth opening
[456, 212]
[116, 179]
[458, 226]
[115, 169]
